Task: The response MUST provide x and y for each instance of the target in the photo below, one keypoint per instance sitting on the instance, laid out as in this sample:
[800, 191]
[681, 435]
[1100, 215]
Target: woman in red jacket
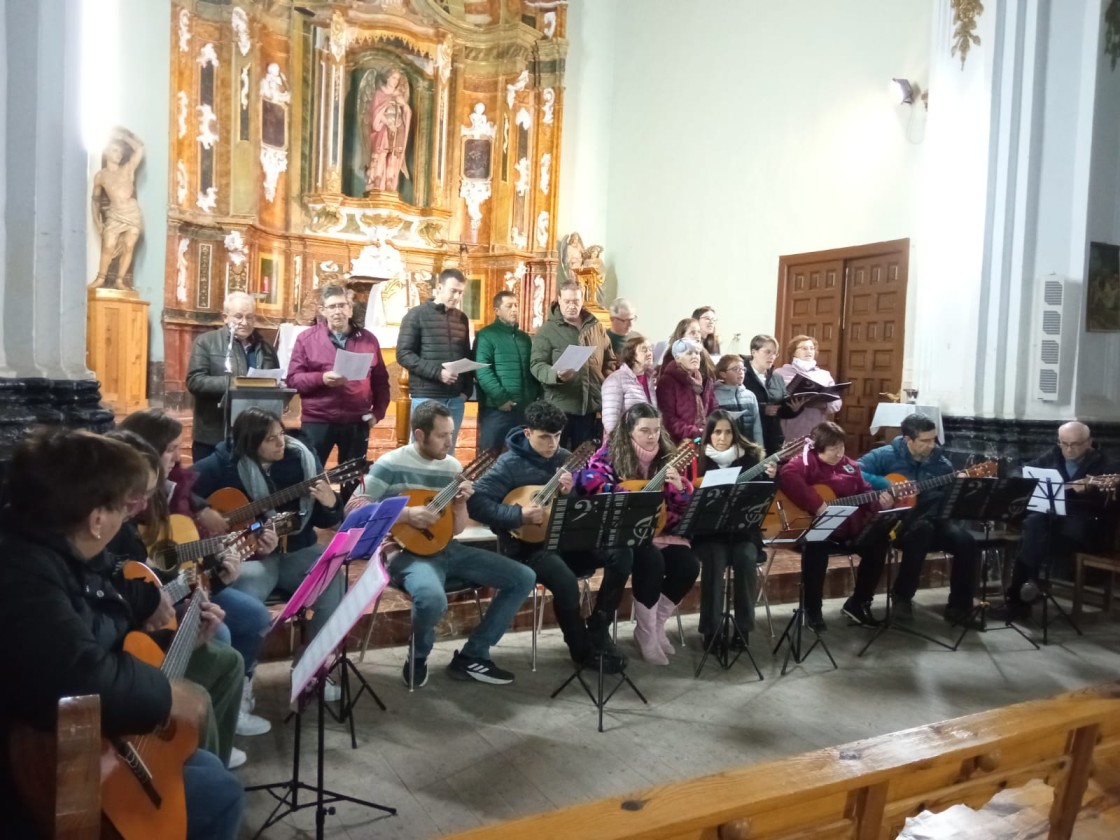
[685, 397]
[823, 462]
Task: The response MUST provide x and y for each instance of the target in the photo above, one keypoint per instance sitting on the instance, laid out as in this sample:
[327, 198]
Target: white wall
[741, 130]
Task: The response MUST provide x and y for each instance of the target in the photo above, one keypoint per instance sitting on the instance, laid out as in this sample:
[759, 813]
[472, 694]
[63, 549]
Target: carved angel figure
[389, 120]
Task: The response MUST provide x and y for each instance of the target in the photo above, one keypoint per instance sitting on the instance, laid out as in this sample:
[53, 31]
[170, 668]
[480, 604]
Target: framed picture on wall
[1102, 310]
[270, 281]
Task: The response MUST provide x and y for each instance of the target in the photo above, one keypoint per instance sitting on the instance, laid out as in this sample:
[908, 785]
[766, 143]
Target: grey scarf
[255, 484]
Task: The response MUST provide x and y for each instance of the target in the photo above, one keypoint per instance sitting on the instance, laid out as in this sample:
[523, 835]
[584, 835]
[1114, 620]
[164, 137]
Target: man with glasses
[229, 350]
[1075, 458]
[623, 317]
[337, 411]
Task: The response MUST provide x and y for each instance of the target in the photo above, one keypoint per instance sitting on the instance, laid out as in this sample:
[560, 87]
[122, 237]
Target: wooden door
[853, 302]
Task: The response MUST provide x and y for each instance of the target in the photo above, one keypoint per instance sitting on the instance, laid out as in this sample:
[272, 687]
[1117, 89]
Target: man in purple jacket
[336, 410]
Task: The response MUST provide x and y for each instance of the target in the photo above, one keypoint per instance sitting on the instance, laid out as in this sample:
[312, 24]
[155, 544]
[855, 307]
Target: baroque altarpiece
[370, 142]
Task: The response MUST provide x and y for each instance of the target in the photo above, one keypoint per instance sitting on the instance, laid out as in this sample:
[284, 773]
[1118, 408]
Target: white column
[5, 371]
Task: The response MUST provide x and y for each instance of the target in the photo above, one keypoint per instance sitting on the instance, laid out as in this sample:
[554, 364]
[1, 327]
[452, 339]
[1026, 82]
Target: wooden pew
[866, 789]
[58, 773]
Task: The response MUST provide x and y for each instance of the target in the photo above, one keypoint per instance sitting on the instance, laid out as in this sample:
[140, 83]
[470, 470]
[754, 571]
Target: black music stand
[596, 523]
[1048, 493]
[730, 511]
[819, 530]
[309, 678]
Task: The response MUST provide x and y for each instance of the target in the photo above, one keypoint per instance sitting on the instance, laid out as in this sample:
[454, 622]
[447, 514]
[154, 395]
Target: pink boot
[646, 635]
[665, 609]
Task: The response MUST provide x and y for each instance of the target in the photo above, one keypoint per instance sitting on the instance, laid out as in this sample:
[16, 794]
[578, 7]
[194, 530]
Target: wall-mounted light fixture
[904, 92]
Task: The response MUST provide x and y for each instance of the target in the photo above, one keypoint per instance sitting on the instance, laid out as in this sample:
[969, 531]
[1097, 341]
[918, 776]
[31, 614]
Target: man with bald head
[236, 340]
[1076, 458]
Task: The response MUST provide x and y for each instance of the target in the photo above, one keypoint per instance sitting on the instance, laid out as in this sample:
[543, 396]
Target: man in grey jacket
[230, 349]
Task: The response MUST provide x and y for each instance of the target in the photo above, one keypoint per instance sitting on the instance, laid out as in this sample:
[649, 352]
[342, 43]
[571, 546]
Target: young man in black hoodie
[533, 457]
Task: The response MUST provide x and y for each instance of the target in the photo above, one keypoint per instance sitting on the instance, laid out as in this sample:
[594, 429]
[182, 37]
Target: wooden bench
[866, 789]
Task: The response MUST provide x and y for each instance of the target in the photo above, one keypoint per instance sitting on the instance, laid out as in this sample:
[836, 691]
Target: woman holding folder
[803, 361]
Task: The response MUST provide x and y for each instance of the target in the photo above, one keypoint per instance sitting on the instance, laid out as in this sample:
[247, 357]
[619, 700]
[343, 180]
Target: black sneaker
[904, 610]
[860, 613]
[814, 619]
[1011, 611]
[483, 670]
[420, 677]
[964, 618]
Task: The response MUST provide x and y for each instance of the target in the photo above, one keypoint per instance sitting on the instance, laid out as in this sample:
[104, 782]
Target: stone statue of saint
[583, 263]
[390, 119]
[116, 212]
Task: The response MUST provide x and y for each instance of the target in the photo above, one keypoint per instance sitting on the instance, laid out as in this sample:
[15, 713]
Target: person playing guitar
[262, 461]
[534, 457]
[915, 456]
[665, 570]
[823, 462]
[424, 464]
[67, 620]
[247, 618]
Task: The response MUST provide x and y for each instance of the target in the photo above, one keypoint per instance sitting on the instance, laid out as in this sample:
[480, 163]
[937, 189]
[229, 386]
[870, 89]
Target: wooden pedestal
[117, 348]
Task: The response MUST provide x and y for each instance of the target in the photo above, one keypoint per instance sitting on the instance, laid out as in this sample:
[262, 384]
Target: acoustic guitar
[543, 494]
[680, 459]
[239, 511]
[901, 490]
[142, 778]
[185, 545]
[425, 542]
[751, 473]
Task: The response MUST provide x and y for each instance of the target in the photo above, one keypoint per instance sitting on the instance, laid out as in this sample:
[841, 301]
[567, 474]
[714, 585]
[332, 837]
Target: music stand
[596, 523]
[730, 511]
[308, 684]
[1049, 498]
[819, 530]
[988, 500]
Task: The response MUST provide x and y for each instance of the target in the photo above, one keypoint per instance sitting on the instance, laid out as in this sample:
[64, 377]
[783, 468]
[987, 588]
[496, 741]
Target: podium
[249, 392]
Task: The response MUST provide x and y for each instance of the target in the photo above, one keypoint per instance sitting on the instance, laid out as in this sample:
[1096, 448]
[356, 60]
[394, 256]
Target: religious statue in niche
[275, 97]
[584, 264]
[388, 116]
[116, 212]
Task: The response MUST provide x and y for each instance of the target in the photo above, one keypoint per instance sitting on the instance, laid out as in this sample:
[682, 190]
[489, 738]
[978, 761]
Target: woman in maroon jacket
[685, 397]
[823, 462]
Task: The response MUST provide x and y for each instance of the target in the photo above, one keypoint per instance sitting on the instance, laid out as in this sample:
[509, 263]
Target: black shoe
[420, 677]
[483, 670]
[964, 618]
[860, 613]
[613, 663]
[814, 620]
[904, 610]
[1010, 611]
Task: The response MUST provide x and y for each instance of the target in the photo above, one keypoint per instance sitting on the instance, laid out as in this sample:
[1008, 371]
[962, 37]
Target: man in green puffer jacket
[507, 386]
[578, 393]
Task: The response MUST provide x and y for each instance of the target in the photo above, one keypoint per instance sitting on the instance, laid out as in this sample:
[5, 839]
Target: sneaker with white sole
[468, 668]
[249, 724]
[332, 692]
[236, 758]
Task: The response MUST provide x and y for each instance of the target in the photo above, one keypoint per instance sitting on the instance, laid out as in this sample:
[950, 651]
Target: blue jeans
[456, 405]
[246, 623]
[425, 578]
[215, 798]
[494, 424]
[284, 571]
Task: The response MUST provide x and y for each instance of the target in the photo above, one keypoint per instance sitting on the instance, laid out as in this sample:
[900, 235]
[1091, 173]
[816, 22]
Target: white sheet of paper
[825, 524]
[1040, 498]
[352, 365]
[257, 373]
[727, 475]
[461, 366]
[574, 357]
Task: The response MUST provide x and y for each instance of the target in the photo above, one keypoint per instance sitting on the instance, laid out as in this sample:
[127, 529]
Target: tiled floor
[455, 755]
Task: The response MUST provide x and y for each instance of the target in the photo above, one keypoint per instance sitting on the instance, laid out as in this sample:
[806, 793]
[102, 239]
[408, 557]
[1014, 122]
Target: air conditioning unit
[1053, 337]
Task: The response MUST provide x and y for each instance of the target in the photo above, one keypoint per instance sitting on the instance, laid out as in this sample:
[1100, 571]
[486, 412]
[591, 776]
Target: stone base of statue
[117, 347]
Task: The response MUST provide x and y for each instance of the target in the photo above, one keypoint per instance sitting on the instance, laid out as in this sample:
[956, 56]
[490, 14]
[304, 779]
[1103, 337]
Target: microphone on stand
[229, 352]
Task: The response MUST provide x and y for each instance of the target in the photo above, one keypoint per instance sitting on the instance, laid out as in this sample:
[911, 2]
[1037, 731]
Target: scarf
[804, 364]
[725, 458]
[256, 485]
[646, 457]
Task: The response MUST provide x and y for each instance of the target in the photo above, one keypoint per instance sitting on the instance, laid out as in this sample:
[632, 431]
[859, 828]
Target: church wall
[751, 131]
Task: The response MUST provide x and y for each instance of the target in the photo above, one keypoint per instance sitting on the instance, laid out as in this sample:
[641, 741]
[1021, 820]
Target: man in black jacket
[534, 456]
[431, 335]
[1082, 529]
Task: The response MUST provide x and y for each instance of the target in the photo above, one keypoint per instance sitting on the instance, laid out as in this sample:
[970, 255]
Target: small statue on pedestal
[116, 212]
[584, 264]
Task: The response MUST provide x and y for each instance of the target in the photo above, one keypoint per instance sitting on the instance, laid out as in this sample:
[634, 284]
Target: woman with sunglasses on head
[666, 569]
[724, 447]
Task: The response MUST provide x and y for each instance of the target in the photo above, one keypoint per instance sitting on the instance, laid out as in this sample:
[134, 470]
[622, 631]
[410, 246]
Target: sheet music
[461, 366]
[1050, 483]
[319, 575]
[826, 524]
[574, 357]
[352, 365]
[257, 373]
[717, 478]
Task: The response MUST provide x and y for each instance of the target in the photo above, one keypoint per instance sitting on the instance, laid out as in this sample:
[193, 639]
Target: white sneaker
[332, 692]
[250, 724]
[236, 758]
[248, 698]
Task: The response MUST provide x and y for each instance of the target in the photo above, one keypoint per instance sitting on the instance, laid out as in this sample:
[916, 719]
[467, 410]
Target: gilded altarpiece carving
[377, 142]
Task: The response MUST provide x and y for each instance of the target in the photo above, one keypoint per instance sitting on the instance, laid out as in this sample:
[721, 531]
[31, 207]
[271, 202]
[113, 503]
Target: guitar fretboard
[255, 509]
[577, 459]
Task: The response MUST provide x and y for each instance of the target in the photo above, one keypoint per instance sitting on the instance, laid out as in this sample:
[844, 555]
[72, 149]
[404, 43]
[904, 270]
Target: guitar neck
[177, 590]
[196, 549]
[860, 499]
[758, 469]
[910, 486]
[444, 497]
[183, 645]
[547, 493]
[255, 509]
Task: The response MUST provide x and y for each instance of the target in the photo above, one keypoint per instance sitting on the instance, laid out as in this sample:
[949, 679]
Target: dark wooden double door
[853, 301]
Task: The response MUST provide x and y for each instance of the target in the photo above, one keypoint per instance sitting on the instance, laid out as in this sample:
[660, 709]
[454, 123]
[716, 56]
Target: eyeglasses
[335, 307]
[628, 319]
[736, 369]
[242, 318]
[1073, 444]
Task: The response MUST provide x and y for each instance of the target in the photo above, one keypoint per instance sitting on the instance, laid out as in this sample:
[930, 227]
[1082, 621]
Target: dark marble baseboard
[1016, 440]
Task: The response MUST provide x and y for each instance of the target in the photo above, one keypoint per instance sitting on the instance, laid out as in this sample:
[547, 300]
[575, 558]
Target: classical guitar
[751, 473]
[142, 778]
[186, 546]
[431, 540]
[902, 490]
[543, 494]
[238, 510]
[680, 459]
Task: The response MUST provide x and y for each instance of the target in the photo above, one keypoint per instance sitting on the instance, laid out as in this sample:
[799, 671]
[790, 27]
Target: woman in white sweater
[633, 382]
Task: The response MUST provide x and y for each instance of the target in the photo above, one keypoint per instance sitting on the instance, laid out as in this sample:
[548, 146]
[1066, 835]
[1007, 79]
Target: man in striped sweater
[425, 464]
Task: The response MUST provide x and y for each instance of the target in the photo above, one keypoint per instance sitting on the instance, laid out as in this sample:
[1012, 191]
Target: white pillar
[5, 371]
